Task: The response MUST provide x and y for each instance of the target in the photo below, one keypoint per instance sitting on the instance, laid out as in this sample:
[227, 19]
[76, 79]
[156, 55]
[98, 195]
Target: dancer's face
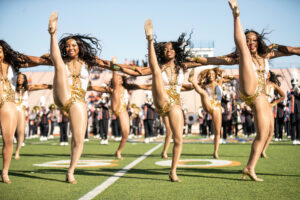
[211, 75]
[169, 52]
[1, 54]
[20, 79]
[252, 42]
[72, 48]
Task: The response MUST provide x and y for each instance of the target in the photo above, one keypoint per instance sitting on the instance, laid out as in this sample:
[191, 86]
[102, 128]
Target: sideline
[100, 188]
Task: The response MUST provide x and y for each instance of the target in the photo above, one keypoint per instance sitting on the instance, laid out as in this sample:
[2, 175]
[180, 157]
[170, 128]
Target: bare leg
[270, 136]
[8, 122]
[217, 123]
[61, 87]
[262, 124]
[160, 99]
[124, 122]
[216, 113]
[247, 77]
[20, 132]
[168, 137]
[78, 123]
[116, 101]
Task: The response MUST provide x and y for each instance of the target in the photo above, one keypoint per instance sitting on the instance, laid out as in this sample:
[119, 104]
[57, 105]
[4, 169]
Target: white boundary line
[100, 188]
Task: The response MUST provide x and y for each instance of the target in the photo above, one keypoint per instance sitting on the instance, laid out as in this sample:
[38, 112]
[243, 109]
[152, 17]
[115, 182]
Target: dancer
[119, 103]
[167, 78]
[72, 59]
[209, 87]
[272, 89]
[21, 100]
[10, 62]
[253, 70]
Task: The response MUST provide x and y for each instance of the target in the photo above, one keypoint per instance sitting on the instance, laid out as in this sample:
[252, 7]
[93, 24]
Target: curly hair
[12, 57]
[24, 85]
[203, 75]
[274, 78]
[88, 48]
[180, 53]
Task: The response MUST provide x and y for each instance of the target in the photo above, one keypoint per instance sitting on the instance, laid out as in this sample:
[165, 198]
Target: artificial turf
[281, 173]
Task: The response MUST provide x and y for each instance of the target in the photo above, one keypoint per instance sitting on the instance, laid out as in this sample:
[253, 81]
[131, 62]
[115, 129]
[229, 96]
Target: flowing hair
[89, 47]
[12, 57]
[179, 47]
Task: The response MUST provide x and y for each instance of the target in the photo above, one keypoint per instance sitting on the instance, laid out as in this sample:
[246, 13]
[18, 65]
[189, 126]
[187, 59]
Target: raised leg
[61, 87]
[247, 77]
[8, 122]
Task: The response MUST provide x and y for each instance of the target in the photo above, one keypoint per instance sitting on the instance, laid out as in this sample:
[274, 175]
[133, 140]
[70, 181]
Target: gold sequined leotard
[261, 85]
[172, 88]
[8, 86]
[124, 101]
[78, 87]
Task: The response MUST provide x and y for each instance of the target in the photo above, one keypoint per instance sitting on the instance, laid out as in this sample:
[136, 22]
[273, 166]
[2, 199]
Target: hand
[148, 29]
[53, 22]
[191, 76]
[234, 7]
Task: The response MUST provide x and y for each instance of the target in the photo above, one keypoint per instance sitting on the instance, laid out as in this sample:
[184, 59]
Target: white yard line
[100, 188]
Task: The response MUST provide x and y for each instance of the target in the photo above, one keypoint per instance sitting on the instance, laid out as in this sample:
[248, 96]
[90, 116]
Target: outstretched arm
[230, 59]
[281, 50]
[32, 61]
[39, 87]
[100, 89]
[139, 87]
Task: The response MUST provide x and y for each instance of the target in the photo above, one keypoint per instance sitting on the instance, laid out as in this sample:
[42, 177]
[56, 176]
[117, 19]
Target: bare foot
[119, 156]
[216, 156]
[17, 156]
[148, 29]
[53, 22]
[164, 156]
[5, 179]
[263, 155]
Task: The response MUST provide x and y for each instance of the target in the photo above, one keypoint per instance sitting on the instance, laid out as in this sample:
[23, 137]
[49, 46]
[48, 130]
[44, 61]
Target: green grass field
[281, 172]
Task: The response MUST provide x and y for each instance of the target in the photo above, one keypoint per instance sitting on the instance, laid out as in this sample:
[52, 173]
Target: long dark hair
[12, 57]
[89, 47]
[274, 78]
[24, 85]
[262, 48]
[180, 53]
